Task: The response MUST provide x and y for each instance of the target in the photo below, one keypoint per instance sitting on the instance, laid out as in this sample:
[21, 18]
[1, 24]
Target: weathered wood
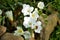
[10, 36]
[2, 30]
[52, 22]
[31, 39]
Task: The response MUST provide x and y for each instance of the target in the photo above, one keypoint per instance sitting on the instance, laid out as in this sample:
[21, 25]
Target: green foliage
[56, 5]
[6, 4]
[56, 33]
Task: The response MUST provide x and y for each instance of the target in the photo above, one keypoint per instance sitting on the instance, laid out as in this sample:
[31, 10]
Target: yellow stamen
[33, 15]
[20, 30]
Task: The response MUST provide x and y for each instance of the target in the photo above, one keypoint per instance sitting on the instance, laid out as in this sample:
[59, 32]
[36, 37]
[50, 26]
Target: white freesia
[25, 5]
[0, 11]
[37, 27]
[27, 9]
[19, 31]
[27, 35]
[28, 22]
[26, 18]
[9, 14]
[34, 15]
[40, 5]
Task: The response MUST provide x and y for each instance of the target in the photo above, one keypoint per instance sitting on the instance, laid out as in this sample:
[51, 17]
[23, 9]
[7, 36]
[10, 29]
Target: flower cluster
[31, 21]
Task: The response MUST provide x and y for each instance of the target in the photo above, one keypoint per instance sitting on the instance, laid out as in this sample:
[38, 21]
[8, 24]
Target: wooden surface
[2, 30]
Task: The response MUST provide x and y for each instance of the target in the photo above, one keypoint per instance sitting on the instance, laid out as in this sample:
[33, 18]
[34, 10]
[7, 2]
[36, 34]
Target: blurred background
[16, 7]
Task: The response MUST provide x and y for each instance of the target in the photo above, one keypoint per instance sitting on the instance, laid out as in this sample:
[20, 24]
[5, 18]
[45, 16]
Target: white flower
[27, 35]
[28, 22]
[37, 27]
[27, 9]
[34, 15]
[0, 11]
[19, 31]
[40, 5]
[9, 14]
[25, 5]
[26, 18]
